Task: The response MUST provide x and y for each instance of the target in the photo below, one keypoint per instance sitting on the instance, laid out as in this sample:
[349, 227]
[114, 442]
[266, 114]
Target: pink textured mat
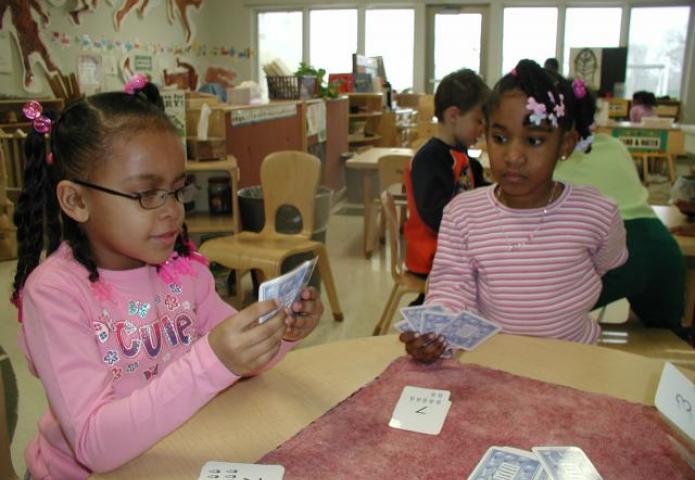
[489, 407]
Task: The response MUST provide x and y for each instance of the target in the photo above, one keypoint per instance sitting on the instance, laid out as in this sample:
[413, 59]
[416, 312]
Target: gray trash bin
[287, 220]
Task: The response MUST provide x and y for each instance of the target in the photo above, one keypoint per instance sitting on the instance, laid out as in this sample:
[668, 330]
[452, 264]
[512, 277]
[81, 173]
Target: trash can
[287, 220]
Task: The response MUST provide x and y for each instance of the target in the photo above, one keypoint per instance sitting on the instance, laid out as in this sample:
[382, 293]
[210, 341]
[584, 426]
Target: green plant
[330, 90]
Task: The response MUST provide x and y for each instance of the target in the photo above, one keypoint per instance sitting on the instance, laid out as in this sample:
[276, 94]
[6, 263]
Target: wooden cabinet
[205, 222]
[366, 112]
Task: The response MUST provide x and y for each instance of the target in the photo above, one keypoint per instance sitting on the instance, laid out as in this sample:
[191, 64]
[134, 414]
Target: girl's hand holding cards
[423, 348]
[243, 345]
[305, 314]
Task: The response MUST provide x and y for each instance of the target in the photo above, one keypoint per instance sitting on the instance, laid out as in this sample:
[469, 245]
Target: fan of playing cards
[462, 330]
[286, 288]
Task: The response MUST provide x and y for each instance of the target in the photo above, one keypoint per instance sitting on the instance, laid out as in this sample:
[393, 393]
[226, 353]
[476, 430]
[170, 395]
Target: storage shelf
[363, 138]
[201, 222]
[210, 165]
[365, 115]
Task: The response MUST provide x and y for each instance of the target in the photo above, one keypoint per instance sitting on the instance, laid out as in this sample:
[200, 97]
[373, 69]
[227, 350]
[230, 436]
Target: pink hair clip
[579, 88]
[136, 82]
[49, 158]
[538, 111]
[33, 111]
[513, 72]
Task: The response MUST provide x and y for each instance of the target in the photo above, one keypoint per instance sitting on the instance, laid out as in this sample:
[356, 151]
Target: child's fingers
[248, 317]
[260, 333]
[266, 347]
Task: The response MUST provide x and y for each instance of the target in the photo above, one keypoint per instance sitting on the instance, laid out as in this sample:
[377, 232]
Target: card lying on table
[508, 463]
[241, 471]
[566, 463]
[421, 410]
[464, 330]
[286, 287]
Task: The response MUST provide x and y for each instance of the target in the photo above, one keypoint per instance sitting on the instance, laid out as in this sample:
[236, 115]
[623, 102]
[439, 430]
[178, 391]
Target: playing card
[506, 463]
[566, 463]
[404, 326]
[286, 287]
[467, 331]
[241, 471]
[421, 410]
[414, 314]
[435, 321]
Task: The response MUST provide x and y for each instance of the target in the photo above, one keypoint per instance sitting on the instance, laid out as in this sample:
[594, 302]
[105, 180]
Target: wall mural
[174, 8]
[25, 31]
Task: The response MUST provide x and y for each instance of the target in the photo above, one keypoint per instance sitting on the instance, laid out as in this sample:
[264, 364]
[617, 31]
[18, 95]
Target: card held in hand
[286, 287]
[421, 410]
[240, 471]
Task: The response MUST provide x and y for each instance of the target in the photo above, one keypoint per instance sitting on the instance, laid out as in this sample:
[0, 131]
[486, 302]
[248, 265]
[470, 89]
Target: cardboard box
[213, 148]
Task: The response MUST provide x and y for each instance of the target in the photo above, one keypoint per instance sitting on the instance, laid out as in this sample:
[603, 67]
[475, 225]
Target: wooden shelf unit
[204, 222]
[370, 124]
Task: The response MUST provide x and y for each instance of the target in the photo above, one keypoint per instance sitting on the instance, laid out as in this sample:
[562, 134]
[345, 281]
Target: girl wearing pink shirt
[528, 252]
[121, 321]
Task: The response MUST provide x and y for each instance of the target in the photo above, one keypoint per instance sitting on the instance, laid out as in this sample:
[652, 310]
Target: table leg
[689, 297]
[368, 212]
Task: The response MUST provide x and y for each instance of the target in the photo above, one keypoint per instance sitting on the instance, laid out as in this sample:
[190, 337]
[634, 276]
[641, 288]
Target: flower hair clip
[538, 111]
[34, 112]
[136, 82]
[579, 88]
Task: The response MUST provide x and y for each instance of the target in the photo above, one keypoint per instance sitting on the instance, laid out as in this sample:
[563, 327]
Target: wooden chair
[403, 281]
[287, 178]
[391, 169]
[6, 469]
[8, 232]
[13, 151]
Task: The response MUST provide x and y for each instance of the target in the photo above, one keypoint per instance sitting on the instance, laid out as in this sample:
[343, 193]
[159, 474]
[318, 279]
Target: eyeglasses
[151, 199]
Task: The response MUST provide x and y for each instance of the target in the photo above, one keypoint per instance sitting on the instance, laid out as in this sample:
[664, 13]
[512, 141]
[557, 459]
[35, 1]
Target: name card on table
[675, 399]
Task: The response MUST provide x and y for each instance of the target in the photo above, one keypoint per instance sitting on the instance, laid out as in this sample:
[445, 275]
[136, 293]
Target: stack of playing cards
[544, 463]
[241, 471]
[421, 410]
[462, 330]
[286, 288]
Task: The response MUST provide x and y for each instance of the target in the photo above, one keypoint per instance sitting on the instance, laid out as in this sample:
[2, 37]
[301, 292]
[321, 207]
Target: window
[457, 39]
[279, 36]
[333, 39]
[604, 31]
[528, 33]
[656, 50]
[391, 34]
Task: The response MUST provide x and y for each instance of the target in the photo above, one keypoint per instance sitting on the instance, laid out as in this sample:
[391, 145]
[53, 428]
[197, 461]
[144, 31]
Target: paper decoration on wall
[175, 108]
[185, 80]
[26, 33]
[175, 8]
[82, 7]
[89, 72]
[103, 44]
[585, 63]
[222, 75]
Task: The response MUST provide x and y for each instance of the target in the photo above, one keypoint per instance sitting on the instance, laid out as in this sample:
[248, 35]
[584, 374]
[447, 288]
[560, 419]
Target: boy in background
[441, 168]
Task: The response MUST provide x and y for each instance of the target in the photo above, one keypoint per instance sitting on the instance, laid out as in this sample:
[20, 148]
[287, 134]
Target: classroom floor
[363, 287]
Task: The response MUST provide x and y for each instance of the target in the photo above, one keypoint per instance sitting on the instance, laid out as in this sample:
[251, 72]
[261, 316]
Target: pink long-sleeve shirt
[124, 361]
[546, 286]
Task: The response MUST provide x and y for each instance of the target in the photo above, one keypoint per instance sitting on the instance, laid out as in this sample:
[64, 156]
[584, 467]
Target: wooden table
[256, 415]
[672, 217]
[367, 163]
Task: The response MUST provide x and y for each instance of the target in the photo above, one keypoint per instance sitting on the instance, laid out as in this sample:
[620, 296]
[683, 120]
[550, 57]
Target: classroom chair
[391, 169]
[6, 469]
[8, 232]
[403, 281]
[288, 178]
[645, 157]
[13, 152]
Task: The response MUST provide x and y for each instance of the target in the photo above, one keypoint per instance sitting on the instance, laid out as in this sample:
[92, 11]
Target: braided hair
[80, 138]
[546, 87]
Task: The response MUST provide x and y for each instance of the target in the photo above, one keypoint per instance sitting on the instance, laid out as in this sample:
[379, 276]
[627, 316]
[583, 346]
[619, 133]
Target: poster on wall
[89, 72]
[585, 63]
[142, 63]
[5, 53]
[175, 108]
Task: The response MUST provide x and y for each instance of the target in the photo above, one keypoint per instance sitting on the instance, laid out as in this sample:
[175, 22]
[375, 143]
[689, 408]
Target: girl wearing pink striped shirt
[528, 252]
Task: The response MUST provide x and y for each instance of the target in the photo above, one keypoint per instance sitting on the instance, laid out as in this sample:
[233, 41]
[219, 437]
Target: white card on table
[566, 463]
[241, 471]
[675, 399]
[286, 287]
[421, 410]
[508, 463]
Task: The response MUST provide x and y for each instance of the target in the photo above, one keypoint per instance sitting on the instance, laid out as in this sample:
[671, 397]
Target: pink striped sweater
[545, 287]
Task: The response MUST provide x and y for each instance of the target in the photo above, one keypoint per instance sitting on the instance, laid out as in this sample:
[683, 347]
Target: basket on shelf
[291, 87]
